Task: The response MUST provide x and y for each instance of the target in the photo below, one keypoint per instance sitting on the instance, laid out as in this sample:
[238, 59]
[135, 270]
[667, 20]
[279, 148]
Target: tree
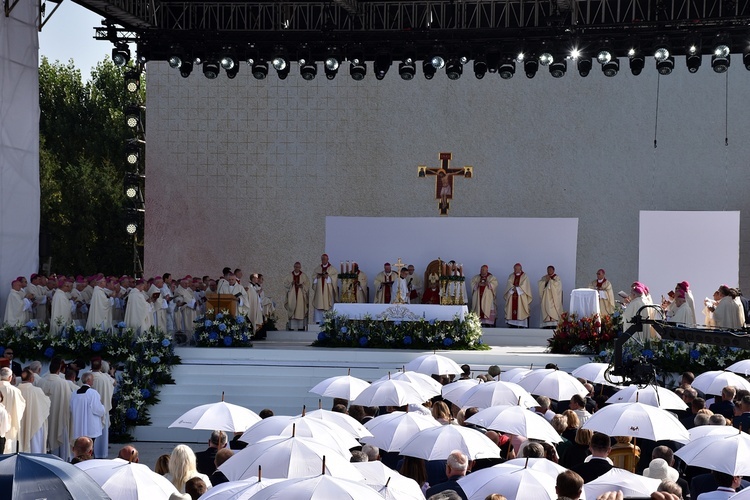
[82, 165]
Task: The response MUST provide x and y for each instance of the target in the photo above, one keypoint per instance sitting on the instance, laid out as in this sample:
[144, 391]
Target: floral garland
[146, 362]
[584, 335]
[222, 330]
[338, 330]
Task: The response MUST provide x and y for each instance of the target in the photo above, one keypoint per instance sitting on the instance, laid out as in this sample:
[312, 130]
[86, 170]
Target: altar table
[584, 302]
[401, 312]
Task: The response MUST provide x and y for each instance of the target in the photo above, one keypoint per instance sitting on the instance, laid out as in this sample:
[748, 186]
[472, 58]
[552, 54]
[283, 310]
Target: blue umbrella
[29, 476]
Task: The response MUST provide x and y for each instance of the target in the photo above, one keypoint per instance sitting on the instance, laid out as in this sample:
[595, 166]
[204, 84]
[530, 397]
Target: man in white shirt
[87, 410]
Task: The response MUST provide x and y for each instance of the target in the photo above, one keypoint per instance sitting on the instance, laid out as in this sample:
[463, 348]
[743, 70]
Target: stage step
[278, 375]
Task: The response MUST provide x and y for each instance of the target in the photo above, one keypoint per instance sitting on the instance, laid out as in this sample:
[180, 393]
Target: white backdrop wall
[19, 145]
[243, 173]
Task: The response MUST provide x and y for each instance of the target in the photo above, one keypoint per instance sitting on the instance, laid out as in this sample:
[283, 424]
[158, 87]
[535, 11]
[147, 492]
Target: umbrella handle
[323, 471]
[259, 473]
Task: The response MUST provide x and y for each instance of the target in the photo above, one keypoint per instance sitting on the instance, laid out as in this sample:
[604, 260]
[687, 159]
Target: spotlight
[693, 55]
[120, 54]
[407, 69]
[558, 67]
[545, 58]
[720, 59]
[280, 63]
[131, 227]
[428, 69]
[381, 65]
[358, 69]
[175, 61]
[186, 68]
[661, 52]
[437, 61]
[530, 66]
[584, 65]
[228, 62]
[507, 68]
[211, 69]
[132, 220]
[611, 67]
[331, 67]
[480, 67]
[666, 66]
[259, 69]
[132, 153]
[132, 81]
[454, 69]
[492, 61]
[132, 184]
[604, 56]
[308, 69]
[637, 62]
[231, 73]
[133, 115]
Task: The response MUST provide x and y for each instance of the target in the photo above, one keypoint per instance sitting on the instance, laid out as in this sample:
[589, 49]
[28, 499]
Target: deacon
[15, 405]
[86, 410]
[484, 295]
[59, 392]
[104, 385]
[384, 285]
[517, 298]
[325, 284]
[415, 285]
[33, 438]
[61, 313]
[297, 286]
[18, 306]
[550, 294]
[100, 311]
[401, 285]
[604, 290]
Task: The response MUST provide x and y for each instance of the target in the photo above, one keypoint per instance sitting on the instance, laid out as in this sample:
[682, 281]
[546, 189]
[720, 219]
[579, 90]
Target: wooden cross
[444, 179]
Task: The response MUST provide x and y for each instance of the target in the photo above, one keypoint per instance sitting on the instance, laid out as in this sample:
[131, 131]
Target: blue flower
[344, 329]
[219, 316]
[695, 354]
[432, 321]
[407, 339]
[213, 336]
[96, 346]
[79, 328]
[145, 393]
[322, 336]
[131, 414]
[240, 319]
[165, 343]
[603, 354]
[734, 349]
[208, 323]
[30, 324]
[363, 341]
[227, 341]
[244, 337]
[397, 322]
[222, 327]
[155, 359]
[121, 324]
[648, 353]
[49, 352]
[448, 341]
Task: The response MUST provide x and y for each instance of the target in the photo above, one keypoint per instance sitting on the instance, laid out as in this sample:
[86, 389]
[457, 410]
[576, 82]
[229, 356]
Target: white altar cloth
[584, 302]
[401, 312]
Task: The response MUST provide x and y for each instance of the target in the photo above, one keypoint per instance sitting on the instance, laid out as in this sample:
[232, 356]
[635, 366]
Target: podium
[218, 302]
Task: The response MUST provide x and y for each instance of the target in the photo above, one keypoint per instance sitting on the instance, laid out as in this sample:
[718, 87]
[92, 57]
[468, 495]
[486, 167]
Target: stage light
[132, 184]
[520, 57]
[720, 59]
[666, 66]
[530, 67]
[558, 67]
[693, 55]
[454, 69]
[381, 65]
[132, 219]
[611, 67]
[131, 227]
[132, 81]
[637, 61]
[661, 51]
[437, 61]
[280, 63]
[175, 61]
[259, 69]
[480, 67]
[228, 62]
[492, 60]
[407, 69]
[308, 69]
[331, 67]
[507, 68]
[358, 69]
[604, 56]
[133, 115]
[231, 73]
[584, 65]
[120, 54]
[575, 54]
[186, 68]
[545, 58]
[428, 69]
[211, 69]
[132, 153]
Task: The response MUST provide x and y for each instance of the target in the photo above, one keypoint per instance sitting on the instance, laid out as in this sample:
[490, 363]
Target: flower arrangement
[584, 335]
[146, 362]
[223, 330]
[339, 331]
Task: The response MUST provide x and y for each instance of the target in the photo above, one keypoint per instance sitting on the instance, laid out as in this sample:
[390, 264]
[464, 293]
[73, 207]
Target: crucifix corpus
[444, 179]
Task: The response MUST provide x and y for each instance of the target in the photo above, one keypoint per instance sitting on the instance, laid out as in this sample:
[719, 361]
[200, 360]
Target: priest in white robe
[230, 287]
[33, 438]
[683, 315]
[551, 298]
[86, 410]
[517, 298]
[604, 290]
[15, 405]
[153, 296]
[325, 288]
[729, 313]
[18, 306]
[105, 386]
[638, 299]
[384, 281]
[484, 288]
[59, 392]
[297, 286]
[415, 285]
[100, 310]
[185, 304]
[400, 288]
[61, 313]
[38, 288]
[161, 307]
[139, 312]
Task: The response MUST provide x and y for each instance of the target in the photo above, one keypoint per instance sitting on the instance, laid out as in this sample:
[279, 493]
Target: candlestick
[342, 267]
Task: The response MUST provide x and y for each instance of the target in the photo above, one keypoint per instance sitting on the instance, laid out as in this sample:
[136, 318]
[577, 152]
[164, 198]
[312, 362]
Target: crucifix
[444, 179]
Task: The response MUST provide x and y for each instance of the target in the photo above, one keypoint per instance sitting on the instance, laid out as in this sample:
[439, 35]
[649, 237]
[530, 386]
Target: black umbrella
[31, 476]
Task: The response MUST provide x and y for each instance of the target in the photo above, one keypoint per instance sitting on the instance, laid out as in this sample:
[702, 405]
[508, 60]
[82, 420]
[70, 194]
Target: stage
[277, 373]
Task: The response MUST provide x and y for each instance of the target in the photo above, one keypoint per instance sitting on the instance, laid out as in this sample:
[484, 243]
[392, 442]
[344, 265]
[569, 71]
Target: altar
[401, 312]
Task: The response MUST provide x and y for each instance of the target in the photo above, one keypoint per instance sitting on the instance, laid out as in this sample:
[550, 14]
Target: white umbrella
[538, 464]
[122, 480]
[391, 431]
[283, 425]
[453, 391]
[349, 424]
[555, 384]
[437, 443]
[238, 490]
[317, 487]
[726, 454]
[594, 373]
[428, 386]
[343, 386]
[712, 382]
[742, 366]
[514, 482]
[389, 393]
[219, 416]
[631, 485]
[516, 420]
[434, 364]
[649, 395]
[496, 393]
[389, 483]
[287, 457]
[637, 420]
[514, 374]
[709, 430]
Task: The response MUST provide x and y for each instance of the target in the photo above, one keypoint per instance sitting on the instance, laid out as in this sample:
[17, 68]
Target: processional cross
[444, 179]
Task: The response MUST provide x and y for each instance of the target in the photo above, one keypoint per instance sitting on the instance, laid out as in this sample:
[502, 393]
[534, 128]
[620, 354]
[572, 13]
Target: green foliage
[82, 134]
[585, 335]
[340, 331]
